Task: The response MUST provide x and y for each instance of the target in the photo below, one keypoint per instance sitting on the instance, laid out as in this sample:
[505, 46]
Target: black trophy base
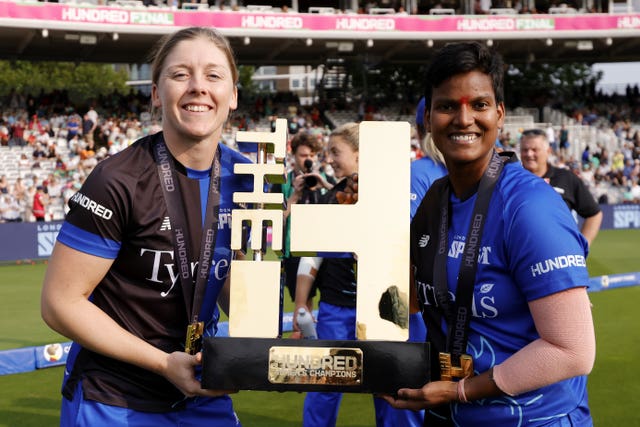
[314, 365]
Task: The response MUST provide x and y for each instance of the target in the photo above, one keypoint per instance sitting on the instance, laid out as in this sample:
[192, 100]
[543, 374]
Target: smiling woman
[512, 344]
[195, 93]
[132, 289]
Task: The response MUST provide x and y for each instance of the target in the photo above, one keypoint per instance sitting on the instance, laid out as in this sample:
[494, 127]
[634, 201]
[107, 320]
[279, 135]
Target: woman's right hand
[180, 371]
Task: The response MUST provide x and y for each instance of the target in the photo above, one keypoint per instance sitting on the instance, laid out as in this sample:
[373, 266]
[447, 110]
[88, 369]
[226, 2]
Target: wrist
[462, 396]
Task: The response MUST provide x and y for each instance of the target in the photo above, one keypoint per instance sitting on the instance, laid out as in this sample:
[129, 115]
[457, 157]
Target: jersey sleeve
[546, 250]
[97, 214]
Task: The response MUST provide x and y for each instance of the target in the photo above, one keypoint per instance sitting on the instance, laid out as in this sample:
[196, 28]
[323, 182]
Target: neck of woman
[197, 155]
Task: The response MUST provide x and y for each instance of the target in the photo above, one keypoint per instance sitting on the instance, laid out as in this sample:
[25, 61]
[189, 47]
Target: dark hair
[307, 140]
[463, 57]
[534, 132]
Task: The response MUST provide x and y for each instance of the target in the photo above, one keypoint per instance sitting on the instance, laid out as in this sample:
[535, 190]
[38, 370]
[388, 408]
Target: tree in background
[563, 86]
[81, 81]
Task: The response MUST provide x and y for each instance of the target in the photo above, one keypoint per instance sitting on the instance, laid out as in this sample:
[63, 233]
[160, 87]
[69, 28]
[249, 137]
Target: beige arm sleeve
[565, 349]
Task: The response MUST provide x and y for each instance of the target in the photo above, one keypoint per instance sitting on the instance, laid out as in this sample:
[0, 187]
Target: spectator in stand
[40, 203]
[17, 132]
[4, 133]
[34, 126]
[88, 127]
[51, 151]
[551, 137]
[38, 152]
[60, 166]
[4, 185]
[564, 140]
[9, 209]
[617, 163]
[586, 156]
[74, 126]
[634, 191]
[19, 190]
[534, 152]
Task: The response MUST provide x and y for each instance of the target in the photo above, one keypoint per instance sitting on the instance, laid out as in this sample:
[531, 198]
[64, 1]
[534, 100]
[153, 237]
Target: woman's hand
[180, 371]
[432, 394]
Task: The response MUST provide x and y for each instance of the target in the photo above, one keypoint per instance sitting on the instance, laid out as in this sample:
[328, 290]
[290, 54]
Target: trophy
[375, 229]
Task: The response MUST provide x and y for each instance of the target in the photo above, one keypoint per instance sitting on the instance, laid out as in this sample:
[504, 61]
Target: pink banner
[313, 22]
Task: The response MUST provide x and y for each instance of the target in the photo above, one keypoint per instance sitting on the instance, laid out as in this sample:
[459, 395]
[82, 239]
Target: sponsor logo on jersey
[164, 270]
[166, 224]
[483, 303]
[557, 263]
[424, 240]
[457, 248]
[92, 206]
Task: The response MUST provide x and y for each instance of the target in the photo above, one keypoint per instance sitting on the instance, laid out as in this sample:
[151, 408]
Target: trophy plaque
[375, 229]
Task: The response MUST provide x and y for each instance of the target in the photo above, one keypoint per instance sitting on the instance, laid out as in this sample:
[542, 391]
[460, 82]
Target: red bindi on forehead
[464, 100]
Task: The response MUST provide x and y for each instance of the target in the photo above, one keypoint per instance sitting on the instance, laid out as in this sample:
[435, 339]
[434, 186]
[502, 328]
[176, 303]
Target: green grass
[20, 321]
[33, 399]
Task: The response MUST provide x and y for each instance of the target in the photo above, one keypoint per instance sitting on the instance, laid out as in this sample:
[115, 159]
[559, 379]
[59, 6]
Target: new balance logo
[424, 241]
[166, 225]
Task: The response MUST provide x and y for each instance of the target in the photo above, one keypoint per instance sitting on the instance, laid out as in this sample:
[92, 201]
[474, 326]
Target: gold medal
[448, 372]
[193, 343]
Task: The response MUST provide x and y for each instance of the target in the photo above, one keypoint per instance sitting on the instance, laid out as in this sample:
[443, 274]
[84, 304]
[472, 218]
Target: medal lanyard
[459, 316]
[193, 289]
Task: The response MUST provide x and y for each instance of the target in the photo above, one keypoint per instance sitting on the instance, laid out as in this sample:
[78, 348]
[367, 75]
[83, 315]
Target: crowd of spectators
[48, 145]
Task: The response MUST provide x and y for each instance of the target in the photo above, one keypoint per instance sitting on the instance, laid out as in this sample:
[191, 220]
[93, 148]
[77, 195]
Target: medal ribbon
[458, 316]
[193, 288]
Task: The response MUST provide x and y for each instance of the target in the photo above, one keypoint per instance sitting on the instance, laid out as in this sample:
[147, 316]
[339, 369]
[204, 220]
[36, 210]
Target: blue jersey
[423, 172]
[120, 213]
[530, 249]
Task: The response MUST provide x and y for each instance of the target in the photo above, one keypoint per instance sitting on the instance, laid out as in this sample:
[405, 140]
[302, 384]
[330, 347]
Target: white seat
[442, 11]
[259, 8]
[381, 11]
[317, 9]
[195, 6]
[502, 11]
[562, 9]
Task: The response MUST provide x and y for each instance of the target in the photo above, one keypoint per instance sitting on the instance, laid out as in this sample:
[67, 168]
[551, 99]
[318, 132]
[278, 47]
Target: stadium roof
[117, 34]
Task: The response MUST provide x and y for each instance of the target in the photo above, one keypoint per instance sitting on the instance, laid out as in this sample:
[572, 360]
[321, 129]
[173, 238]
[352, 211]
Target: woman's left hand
[432, 394]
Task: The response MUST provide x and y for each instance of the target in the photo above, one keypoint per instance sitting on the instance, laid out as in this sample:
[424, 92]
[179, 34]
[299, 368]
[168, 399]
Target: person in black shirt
[114, 285]
[534, 152]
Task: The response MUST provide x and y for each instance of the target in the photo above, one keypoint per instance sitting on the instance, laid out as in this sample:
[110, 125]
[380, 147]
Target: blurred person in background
[534, 153]
[40, 203]
[10, 210]
[302, 187]
[335, 278]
